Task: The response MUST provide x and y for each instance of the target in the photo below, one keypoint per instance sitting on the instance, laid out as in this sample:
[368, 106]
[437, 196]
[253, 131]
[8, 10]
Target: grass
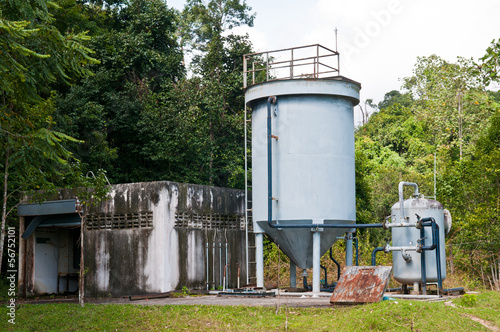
[399, 315]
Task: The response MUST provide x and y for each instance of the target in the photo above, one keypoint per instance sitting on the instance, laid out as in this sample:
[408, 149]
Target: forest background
[103, 87]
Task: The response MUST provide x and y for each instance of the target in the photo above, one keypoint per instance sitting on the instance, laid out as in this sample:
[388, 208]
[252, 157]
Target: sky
[378, 40]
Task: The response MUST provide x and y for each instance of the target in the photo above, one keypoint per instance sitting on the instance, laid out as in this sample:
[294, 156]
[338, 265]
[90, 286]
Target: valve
[418, 224]
[420, 245]
[387, 246]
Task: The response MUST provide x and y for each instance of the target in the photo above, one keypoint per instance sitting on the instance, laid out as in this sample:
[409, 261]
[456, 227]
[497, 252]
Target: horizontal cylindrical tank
[313, 176]
[409, 272]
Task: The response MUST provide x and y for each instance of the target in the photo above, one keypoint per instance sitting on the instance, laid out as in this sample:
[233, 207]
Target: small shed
[144, 238]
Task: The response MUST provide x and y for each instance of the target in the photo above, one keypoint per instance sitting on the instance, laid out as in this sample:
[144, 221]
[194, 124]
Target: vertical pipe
[326, 275]
[316, 261]
[246, 197]
[435, 195]
[259, 238]
[438, 255]
[357, 250]
[207, 263]
[336, 263]
[259, 258]
[422, 263]
[253, 72]
[401, 197]
[225, 271]
[238, 275]
[244, 72]
[267, 67]
[293, 275]
[270, 101]
[220, 263]
[213, 264]
[348, 248]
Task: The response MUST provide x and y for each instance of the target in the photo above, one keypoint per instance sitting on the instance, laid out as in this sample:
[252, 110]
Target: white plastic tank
[409, 272]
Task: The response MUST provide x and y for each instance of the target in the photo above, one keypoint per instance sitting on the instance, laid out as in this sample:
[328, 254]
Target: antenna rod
[337, 50]
[336, 46]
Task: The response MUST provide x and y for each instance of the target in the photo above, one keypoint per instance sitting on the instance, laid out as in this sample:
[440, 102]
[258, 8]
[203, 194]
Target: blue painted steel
[313, 176]
[435, 246]
[374, 255]
[57, 220]
[336, 263]
[409, 272]
[45, 208]
[270, 100]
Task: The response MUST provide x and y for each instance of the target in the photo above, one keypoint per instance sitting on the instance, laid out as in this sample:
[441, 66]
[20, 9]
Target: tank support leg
[259, 258]
[293, 275]
[348, 248]
[316, 261]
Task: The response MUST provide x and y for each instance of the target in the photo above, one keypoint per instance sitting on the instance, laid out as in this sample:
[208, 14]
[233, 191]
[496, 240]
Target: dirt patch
[490, 326]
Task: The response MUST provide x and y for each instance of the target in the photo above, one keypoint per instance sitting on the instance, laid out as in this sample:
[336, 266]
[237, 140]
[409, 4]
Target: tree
[140, 57]
[365, 112]
[395, 97]
[449, 99]
[217, 59]
[490, 63]
[34, 56]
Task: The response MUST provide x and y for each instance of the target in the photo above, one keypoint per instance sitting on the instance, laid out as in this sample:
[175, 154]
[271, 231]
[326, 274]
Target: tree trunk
[460, 123]
[4, 205]
[498, 273]
[452, 266]
[211, 163]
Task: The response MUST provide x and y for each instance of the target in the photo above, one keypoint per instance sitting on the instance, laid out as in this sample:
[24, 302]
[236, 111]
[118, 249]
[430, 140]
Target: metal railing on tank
[311, 61]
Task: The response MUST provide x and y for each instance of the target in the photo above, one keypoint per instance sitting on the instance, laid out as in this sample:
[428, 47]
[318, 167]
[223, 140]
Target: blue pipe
[435, 245]
[270, 100]
[374, 253]
[326, 276]
[336, 263]
[326, 225]
[422, 263]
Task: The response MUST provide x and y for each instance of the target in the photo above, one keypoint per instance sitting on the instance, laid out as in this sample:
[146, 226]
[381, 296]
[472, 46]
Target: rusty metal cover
[361, 284]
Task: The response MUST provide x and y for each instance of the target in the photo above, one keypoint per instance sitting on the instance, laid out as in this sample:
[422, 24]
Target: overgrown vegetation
[384, 316]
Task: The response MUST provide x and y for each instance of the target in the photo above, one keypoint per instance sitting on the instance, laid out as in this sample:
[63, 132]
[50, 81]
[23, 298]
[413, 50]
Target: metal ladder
[250, 241]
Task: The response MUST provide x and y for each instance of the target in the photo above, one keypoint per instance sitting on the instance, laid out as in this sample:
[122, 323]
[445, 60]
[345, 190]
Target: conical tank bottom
[297, 243]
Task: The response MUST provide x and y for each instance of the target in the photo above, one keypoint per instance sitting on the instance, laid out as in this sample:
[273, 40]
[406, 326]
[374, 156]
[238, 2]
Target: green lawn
[401, 315]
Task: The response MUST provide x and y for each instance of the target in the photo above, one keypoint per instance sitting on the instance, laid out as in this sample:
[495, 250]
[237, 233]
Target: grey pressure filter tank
[313, 176]
[409, 272]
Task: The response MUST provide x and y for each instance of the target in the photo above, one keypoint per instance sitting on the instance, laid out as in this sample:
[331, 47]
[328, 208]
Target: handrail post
[244, 72]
